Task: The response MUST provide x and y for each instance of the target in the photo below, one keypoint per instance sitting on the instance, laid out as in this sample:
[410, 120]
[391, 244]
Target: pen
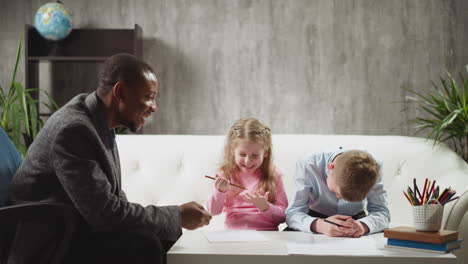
[238, 186]
[333, 223]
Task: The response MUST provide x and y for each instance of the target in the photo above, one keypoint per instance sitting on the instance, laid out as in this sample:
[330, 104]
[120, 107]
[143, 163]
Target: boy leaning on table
[331, 192]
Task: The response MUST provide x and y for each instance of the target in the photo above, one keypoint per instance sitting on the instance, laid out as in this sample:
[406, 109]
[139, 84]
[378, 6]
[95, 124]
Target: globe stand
[55, 48]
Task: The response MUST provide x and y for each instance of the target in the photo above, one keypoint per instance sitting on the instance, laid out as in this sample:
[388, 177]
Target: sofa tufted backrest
[169, 169]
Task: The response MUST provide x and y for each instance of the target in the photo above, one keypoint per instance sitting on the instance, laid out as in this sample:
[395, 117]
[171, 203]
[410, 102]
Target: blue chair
[11, 217]
[9, 163]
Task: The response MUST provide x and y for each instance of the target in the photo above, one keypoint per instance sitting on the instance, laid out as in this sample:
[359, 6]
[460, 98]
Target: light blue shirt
[312, 193]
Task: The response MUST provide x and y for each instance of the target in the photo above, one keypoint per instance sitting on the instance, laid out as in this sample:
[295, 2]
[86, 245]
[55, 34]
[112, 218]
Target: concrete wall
[301, 66]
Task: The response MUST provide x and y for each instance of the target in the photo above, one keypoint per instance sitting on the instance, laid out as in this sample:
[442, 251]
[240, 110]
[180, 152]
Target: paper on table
[220, 236]
[323, 245]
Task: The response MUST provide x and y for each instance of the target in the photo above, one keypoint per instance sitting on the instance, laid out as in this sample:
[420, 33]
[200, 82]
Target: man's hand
[260, 201]
[358, 228]
[193, 216]
[332, 230]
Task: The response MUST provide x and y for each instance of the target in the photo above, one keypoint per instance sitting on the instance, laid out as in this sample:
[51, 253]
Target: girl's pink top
[244, 215]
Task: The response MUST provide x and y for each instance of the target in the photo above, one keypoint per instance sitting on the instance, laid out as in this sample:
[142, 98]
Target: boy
[331, 193]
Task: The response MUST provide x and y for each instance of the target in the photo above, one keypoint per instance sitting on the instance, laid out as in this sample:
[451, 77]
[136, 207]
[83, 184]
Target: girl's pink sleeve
[277, 210]
[215, 202]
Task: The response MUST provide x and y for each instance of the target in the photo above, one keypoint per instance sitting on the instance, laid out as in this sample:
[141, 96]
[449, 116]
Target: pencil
[411, 196]
[238, 186]
[442, 194]
[409, 200]
[442, 199]
[416, 190]
[432, 189]
[449, 196]
[333, 223]
[424, 192]
[452, 200]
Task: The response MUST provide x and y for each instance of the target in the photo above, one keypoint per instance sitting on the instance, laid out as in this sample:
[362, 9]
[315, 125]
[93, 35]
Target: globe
[52, 21]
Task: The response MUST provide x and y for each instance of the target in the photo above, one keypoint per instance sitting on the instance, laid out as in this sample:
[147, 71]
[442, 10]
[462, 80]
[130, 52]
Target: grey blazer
[74, 160]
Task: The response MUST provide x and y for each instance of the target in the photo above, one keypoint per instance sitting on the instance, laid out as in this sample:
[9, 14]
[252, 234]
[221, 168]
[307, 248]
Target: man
[75, 160]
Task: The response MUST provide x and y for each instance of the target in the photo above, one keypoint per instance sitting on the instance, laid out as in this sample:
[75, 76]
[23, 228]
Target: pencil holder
[428, 217]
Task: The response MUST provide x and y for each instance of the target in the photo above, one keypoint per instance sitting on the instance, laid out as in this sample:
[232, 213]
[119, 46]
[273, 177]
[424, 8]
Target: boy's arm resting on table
[297, 214]
[88, 187]
[379, 215]
[215, 202]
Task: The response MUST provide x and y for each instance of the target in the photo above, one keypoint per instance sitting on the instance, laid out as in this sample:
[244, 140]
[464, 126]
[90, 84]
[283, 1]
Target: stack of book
[408, 238]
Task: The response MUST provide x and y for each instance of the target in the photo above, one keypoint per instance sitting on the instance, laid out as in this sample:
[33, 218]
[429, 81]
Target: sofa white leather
[169, 169]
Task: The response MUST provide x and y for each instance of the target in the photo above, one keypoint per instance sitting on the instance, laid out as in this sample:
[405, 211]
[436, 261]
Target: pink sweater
[243, 215]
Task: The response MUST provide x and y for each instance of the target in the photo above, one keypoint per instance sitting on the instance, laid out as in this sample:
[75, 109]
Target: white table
[193, 247]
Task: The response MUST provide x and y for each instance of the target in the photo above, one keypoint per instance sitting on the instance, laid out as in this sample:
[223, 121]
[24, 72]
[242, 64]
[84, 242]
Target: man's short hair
[121, 67]
[357, 172]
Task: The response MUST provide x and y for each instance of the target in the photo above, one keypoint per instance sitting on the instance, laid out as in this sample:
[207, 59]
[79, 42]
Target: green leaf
[18, 55]
[24, 107]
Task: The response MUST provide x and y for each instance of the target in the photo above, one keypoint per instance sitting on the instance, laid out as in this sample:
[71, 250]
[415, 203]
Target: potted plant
[19, 110]
[445, 111]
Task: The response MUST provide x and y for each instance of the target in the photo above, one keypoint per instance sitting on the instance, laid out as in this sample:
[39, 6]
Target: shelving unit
[83, 45]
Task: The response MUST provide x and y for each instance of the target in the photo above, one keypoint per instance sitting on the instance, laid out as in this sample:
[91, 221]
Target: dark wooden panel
[83, 43]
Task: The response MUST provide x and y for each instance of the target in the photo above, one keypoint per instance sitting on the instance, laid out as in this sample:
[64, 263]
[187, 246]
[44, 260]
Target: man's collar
[95, 109]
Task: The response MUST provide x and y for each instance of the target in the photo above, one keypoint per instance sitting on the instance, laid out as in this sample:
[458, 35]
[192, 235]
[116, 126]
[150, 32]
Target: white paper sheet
[223, 236]
[323, 246]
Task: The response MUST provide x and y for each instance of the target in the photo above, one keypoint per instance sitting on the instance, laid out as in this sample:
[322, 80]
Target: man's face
[139, 103]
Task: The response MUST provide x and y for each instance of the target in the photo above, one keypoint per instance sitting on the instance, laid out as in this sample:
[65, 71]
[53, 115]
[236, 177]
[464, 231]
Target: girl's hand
[260, 201]
[221, 184]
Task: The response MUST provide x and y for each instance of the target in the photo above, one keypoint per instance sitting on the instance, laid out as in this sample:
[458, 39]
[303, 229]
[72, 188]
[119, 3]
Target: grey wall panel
[301, 66]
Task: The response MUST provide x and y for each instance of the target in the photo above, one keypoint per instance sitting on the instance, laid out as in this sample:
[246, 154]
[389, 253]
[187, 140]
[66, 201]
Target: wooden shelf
[88, 45]
[68, 58]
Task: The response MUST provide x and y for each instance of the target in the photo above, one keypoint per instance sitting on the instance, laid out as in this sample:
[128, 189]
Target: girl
[248, 163]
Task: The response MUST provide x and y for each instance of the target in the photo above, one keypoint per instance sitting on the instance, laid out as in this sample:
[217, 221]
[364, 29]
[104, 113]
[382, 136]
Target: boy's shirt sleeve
[297, 214]
[379, 215]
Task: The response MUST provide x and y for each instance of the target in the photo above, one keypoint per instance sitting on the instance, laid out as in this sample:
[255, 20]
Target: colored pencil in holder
[453, 199]
[407, 197]
[413, 197]
[416, 189]
[424, 192]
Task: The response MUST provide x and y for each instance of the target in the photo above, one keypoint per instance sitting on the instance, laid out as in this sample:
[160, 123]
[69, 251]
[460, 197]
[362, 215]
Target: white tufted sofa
[169, 169]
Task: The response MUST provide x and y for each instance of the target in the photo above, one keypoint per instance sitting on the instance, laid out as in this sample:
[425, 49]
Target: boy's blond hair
[355, 175]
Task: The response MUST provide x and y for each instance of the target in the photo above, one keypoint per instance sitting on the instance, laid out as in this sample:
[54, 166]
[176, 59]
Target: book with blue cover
[410, 233]
[440, 248]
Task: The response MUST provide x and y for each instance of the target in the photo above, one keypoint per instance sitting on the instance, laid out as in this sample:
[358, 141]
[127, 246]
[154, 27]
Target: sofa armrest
[456, 218]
